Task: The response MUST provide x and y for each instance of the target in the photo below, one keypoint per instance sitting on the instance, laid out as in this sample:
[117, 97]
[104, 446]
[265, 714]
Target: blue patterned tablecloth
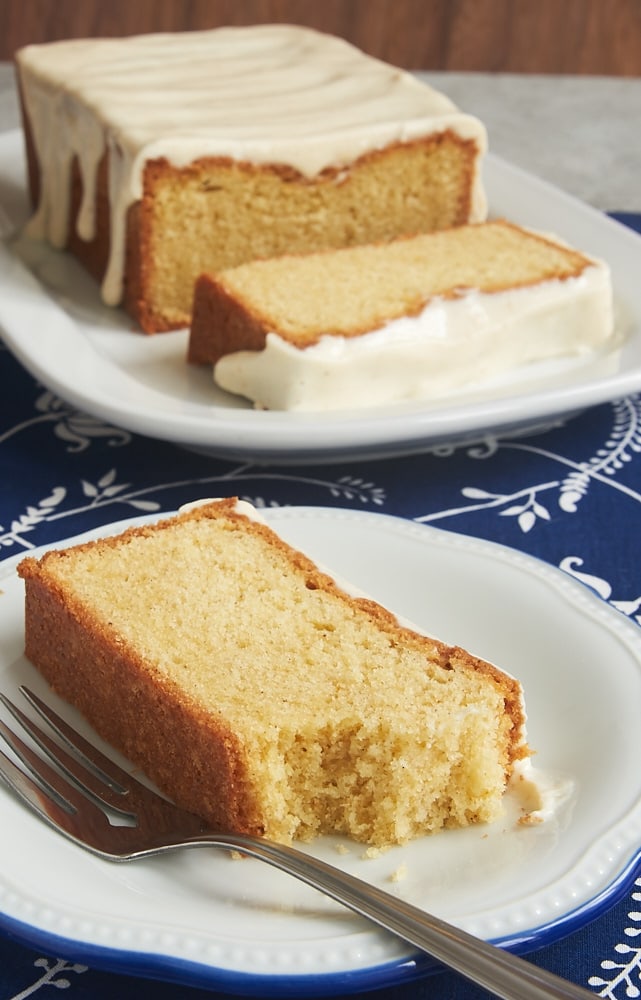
[569, 493]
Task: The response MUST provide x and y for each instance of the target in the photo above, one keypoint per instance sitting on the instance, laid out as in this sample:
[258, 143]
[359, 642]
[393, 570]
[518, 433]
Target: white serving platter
[52, 319]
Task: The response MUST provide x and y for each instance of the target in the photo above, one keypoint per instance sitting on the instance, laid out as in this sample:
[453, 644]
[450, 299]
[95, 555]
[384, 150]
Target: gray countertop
[582, 134]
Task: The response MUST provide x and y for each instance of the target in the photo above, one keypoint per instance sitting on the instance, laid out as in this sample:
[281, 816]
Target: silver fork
[77, 796]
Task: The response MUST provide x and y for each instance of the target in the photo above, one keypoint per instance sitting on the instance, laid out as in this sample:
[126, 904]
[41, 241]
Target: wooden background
[514, 36]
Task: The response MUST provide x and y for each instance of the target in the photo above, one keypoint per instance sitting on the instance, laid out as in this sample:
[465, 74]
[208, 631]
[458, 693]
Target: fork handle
[502, 973]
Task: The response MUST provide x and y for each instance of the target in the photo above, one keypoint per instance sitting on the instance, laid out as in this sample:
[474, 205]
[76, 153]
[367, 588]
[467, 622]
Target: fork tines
[79, 767]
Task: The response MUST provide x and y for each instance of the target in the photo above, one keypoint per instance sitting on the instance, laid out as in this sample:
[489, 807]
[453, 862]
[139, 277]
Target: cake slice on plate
[259, 693]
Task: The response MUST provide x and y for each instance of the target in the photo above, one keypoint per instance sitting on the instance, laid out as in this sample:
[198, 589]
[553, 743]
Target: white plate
[202, 918]
[88, 354]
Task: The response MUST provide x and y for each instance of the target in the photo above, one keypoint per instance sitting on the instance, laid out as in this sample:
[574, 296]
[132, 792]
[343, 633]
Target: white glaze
[451, 344]
[241, 507]
[266, 94]
[540, 794]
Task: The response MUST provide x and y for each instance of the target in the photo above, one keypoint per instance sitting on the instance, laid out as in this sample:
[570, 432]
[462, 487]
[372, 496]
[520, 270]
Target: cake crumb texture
[257, 693]
[216, 215]
[303, 297]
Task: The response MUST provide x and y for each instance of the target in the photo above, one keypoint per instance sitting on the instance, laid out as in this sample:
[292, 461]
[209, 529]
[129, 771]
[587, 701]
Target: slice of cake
[154, 158]
[256, 692]
[416, 318]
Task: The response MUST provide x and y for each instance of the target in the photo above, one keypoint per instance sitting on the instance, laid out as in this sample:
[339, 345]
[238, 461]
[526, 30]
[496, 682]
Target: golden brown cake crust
[218, 321]
[192, 754]
[146, 718]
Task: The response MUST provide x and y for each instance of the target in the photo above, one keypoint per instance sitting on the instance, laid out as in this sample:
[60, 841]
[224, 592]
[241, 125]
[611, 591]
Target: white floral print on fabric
[622, 978]
[53, 974]
[566, 491]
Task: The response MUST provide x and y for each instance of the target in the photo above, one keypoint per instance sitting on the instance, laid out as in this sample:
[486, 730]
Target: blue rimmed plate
[203, 919]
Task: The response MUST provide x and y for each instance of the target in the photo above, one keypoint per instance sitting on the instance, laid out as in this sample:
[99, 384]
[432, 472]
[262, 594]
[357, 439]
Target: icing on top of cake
[452, 344]
[277, 94]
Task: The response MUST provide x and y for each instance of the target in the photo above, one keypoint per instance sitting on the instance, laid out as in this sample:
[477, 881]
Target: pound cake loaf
[258, 693]
[154, 158]
[415, 318]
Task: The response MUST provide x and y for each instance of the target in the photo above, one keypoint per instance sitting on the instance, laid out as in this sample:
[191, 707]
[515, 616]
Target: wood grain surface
[512, 36]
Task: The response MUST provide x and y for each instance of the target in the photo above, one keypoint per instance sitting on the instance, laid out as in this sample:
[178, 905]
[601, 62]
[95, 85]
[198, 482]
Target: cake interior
[216, 214]
[207, 640]
[359, 289]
